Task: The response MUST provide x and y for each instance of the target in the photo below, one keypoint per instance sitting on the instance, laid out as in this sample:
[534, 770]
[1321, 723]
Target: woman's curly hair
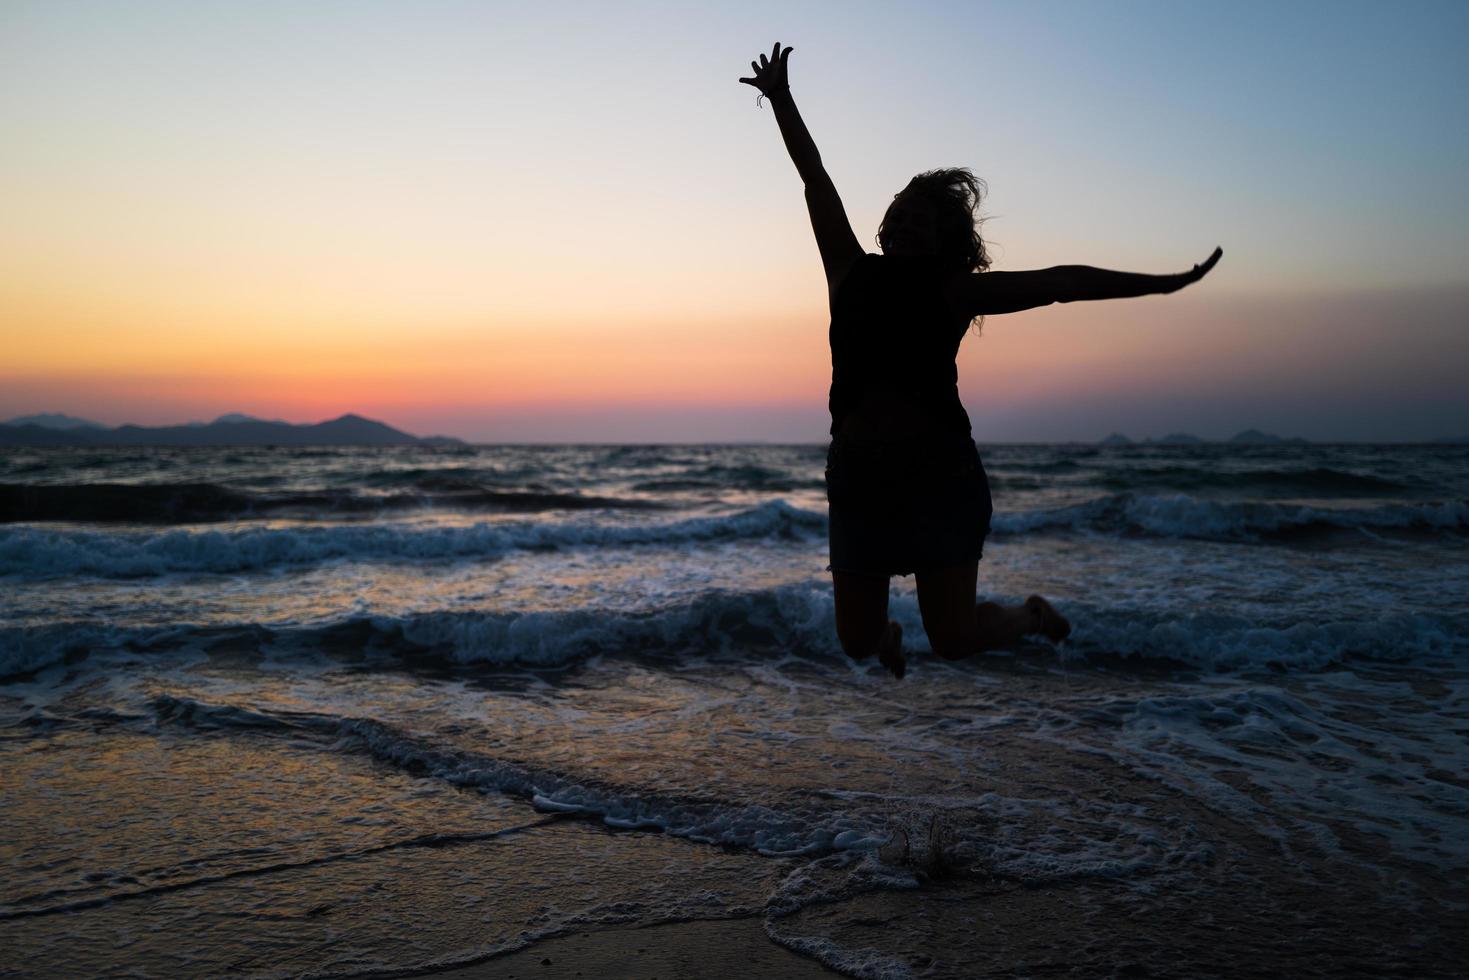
[955, 194]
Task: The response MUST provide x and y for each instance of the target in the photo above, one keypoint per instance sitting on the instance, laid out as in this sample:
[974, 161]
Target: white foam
[762, 829]
[1311, 767]
[1179, 515]
[1219, 641]
[796, 619]
[38, 551]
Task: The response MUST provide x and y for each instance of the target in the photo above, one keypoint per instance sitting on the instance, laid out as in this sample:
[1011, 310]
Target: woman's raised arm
[988, 293]
[834, 238]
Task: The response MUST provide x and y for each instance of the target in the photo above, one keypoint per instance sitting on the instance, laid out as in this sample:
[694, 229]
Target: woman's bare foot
[1048, 622]
[890, 651]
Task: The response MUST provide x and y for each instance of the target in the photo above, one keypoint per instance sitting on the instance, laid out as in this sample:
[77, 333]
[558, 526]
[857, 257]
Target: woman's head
[935, 215]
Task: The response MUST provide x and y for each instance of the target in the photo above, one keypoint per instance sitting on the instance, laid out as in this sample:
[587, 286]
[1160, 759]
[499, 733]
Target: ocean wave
[841, 826]
[451, 477]
[766, 484]
[728, 476]
[1182, 516]
[183, 503]
[711, 821]
[1222, 641]
[792, 620]
[1320, 481]
[39, 551]
[1053, 466]
[47, 551]
[796, 619]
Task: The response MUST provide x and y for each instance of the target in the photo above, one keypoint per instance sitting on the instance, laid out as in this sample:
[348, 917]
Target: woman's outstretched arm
[987, 293]
[834, 238]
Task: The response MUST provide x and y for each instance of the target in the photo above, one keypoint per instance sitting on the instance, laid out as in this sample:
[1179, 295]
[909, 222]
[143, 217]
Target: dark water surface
[360, 711]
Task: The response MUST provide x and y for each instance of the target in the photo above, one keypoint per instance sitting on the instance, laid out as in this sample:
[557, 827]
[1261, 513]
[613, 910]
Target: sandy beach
[233, 847]
[705, 950]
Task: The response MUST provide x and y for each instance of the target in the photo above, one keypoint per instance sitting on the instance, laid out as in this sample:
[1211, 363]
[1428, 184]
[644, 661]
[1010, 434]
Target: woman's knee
[946, 601]
[953, 635]
[861, 640]
[953, 644]
[861, 612]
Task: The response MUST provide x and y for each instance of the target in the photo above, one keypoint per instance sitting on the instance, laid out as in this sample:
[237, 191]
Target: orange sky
[491, 222]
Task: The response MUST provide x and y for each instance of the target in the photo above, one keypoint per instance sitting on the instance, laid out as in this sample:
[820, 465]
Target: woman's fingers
[1202, 269]
[1210, 261]
[770, 69]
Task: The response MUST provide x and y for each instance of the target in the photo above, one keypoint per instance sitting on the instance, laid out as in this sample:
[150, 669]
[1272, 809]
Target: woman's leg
[946, 600]
[863, 626]
[957, 627]
[1003, 626]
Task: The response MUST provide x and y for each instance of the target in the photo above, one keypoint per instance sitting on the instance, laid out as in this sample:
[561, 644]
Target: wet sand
[716, 950]
[194, 838]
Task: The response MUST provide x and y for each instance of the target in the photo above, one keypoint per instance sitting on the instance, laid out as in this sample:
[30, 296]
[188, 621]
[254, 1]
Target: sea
[341, 712]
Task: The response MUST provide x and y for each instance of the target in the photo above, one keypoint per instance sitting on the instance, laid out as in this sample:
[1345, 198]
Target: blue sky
[283, 196]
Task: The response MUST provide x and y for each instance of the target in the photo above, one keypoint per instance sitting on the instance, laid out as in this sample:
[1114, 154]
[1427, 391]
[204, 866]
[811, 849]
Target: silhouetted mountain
[231, 417]
[55, 420]
[35, 435]
[1116, 439]
[349, 430]
[1254, 437]
[1176, 439]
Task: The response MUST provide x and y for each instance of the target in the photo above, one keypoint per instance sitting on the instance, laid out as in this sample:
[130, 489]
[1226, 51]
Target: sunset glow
[509, 225]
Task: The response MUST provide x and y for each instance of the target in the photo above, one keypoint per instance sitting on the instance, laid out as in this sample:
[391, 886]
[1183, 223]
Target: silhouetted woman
[907, 490]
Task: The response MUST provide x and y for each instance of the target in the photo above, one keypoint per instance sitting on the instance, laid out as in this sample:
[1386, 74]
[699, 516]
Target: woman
[907, 490]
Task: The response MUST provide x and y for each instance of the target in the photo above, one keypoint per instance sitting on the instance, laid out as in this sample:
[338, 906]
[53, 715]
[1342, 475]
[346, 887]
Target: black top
[894, 337]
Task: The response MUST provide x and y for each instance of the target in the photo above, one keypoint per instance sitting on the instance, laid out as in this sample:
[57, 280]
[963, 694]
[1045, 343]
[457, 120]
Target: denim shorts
[899, 508]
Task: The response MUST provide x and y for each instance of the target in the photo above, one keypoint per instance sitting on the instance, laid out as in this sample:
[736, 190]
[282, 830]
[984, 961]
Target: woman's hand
[1173, 283]
[770, 74]
[1200, 271]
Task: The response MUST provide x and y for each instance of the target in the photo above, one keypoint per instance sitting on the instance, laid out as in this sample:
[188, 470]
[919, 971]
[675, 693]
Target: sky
[568, 222]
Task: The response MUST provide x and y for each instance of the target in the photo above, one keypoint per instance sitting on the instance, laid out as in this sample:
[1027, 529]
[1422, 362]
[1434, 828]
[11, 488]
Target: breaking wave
[1320, 481]
[1182, 516]
[183, 503]
[793, 620]
[48, 551]
[55, 551]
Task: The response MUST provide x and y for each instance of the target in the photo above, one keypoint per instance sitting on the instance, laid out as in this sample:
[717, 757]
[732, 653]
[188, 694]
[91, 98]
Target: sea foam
[39, 551]
[726, 823]
[1182, 516]
[790, 620]
[44, 551]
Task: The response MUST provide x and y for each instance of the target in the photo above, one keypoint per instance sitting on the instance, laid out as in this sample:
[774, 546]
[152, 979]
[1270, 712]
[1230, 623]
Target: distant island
[55, 420]
[1249, 437]
[233, 429]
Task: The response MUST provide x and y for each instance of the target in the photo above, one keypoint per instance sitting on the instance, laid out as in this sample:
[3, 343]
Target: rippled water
[338, 711]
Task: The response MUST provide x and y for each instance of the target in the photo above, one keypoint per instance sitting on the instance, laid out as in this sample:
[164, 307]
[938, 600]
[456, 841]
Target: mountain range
[237, 429]
[1249, 437]
[234, 429]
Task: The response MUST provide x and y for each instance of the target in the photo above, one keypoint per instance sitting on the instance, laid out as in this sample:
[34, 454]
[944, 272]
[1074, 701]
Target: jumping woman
[907, 490]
